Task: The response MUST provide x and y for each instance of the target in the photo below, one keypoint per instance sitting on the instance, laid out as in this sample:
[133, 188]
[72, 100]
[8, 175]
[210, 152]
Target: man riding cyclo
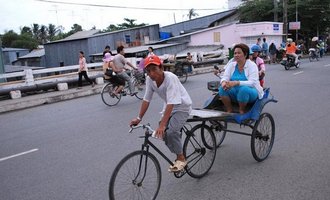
[177, 106]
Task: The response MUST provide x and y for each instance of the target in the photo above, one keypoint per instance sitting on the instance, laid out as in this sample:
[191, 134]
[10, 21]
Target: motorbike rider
[259, 62]
[291, 49]
[314, 48]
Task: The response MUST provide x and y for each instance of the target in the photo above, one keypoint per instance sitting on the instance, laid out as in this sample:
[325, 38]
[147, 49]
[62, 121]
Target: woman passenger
[240, 82]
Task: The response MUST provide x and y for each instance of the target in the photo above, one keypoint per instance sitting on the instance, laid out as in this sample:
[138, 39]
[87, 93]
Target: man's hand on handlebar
[135, 122]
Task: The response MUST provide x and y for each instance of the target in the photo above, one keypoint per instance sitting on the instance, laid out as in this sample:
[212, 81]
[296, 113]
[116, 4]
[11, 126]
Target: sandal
[177, 166]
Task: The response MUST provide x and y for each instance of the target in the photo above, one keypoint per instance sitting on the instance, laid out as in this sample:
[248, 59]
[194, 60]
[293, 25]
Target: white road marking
[328, 65]
[298, 73]
[19, 154]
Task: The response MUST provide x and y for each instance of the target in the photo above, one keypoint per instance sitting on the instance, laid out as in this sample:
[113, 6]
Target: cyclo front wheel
[263, 136]
[200, 150]
[219, 129]
[108, 96]
[137, 176]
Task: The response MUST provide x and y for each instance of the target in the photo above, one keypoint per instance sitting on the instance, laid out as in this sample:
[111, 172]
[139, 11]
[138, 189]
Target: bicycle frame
[145, 147]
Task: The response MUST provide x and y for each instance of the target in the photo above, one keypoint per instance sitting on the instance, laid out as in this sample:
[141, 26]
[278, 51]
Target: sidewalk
[56, 96]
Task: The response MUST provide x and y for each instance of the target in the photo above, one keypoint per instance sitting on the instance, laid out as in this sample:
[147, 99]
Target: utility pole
[275, 10]
[296, 19]
[285, 18]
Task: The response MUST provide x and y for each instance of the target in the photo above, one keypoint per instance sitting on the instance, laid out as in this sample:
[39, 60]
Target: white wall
[227, 37]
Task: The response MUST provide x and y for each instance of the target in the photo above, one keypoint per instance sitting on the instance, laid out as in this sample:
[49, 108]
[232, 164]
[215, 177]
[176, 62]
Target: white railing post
[29, 80]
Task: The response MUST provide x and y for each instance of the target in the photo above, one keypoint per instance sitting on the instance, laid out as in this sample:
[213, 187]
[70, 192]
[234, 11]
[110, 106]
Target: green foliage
[26, 42]
[8, 38]
[12, 39]
[129, 23]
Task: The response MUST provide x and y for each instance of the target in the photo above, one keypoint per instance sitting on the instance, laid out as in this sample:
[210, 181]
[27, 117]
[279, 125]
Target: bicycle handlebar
[144, 126]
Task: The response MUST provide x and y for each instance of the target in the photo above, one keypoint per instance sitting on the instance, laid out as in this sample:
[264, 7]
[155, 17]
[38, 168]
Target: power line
[122, 7]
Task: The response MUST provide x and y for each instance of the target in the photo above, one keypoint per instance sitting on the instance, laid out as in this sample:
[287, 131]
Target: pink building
[234, 33]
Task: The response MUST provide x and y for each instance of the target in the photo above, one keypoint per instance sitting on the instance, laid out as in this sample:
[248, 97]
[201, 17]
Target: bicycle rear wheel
[263, 136]
[137, 176]
[200, 150]
[181, 73]
[107, 95]
[140, 88]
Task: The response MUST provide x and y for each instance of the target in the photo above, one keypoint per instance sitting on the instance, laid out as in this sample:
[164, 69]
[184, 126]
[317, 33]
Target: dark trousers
[83, 73]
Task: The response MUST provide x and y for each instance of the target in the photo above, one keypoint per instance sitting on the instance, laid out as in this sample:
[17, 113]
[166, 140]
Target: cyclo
[138, 175]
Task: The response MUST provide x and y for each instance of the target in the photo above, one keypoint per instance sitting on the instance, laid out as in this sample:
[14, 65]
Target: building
[12, 54]
[65, 51]
[35, 58]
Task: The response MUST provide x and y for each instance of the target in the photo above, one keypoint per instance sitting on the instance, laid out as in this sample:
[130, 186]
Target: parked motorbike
[289, 61]
[314, 54]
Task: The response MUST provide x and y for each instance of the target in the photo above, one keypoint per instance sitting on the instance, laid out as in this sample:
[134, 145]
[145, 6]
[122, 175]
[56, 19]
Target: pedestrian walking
[83, 70]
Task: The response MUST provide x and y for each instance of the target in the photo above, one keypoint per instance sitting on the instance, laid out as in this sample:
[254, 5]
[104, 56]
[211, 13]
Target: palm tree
[192, 13]
[43, 34]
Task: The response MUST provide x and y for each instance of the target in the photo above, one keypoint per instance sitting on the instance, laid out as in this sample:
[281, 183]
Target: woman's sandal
[177, 166]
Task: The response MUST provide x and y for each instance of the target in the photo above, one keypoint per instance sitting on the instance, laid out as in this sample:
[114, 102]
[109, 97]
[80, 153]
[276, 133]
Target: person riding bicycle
[109, 70]
[259, 62]
[291, 49]
[177, 106]
[120, 61]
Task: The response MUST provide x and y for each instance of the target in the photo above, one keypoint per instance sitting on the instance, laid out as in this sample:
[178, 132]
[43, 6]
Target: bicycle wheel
[199, 149]
[107, 95]
[181, 73]
[137, 176]
[263, 136]
[139, 87]
[219, 130]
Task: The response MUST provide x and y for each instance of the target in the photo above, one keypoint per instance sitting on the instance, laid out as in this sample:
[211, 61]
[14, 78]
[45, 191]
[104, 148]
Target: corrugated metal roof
[78, 35]
[37, 53]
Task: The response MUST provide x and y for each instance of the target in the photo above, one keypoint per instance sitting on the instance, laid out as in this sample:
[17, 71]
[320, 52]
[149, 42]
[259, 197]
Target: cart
[262, 124]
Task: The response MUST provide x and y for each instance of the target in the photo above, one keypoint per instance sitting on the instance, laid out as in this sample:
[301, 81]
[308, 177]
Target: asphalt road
[68, 150]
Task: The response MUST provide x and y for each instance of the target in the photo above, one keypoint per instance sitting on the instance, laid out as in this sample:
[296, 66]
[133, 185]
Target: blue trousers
[240, 94]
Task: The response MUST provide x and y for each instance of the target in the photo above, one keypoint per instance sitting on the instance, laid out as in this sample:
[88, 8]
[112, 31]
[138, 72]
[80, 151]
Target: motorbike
[314, 54]
[288, 61]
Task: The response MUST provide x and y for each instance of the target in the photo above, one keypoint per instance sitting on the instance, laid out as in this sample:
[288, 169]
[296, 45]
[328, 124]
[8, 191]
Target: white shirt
[251, 72]
[171, 91]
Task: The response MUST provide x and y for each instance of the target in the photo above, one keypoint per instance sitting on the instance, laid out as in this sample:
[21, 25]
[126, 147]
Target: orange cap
[152, 60]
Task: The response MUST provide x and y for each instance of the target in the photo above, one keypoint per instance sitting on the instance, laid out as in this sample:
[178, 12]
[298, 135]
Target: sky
[15, 14]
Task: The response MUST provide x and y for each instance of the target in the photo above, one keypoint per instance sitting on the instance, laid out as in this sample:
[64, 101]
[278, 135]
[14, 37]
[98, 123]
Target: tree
[52, 31]
[129, 23]
[191, 14]
[8, 38]
[35, 31]
[26, 42]
[43, 34]
[26, 31]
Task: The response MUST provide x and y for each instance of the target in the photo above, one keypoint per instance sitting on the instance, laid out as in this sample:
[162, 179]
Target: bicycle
[181, 70]
[138, 175]
[107, 92]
